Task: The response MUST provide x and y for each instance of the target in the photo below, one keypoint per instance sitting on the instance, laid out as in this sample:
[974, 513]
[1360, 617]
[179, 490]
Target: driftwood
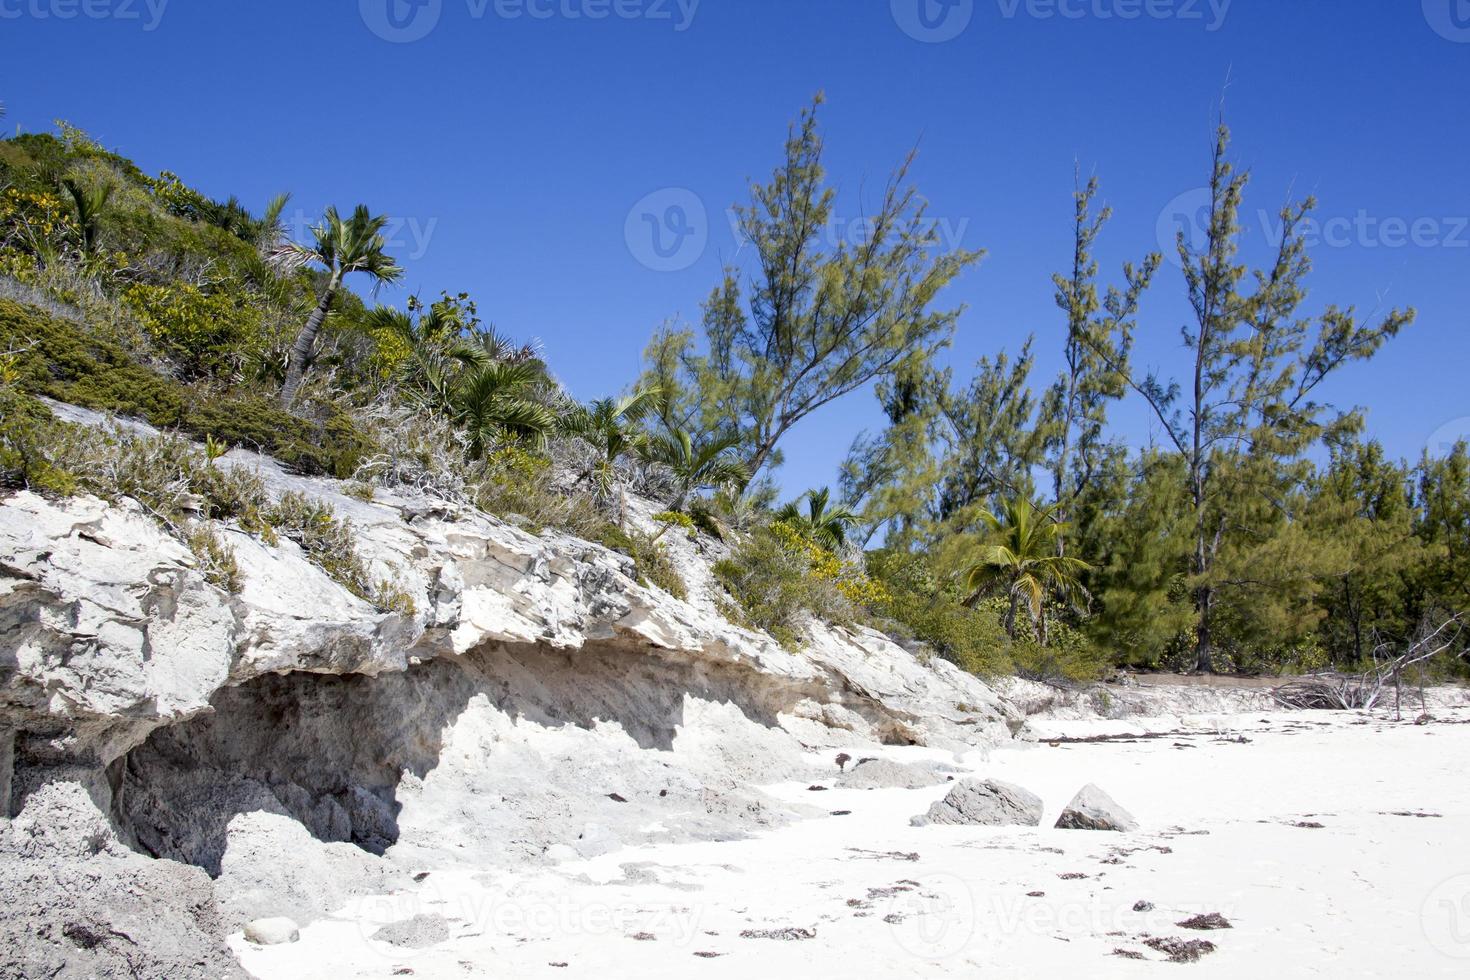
[1370, 689]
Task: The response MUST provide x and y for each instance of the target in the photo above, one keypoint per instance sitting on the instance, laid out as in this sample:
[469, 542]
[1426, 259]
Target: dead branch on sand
[1368, 690]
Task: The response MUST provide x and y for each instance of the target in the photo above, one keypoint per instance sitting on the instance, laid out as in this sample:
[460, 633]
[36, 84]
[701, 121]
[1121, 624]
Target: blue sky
[519, 143]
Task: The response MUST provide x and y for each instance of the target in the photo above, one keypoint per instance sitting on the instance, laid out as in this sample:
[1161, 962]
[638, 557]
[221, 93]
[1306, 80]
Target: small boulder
[884, 774]
[988, 803]
[419, 932]
[272, 932]
[1092, 809]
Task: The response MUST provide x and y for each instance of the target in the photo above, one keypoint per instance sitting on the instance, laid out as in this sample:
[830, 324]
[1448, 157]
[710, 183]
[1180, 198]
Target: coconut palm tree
[823, 523]
[613, 428]
[89, 205]
[342, 247]
[492, 387]
[696, 465]
[270, 231]
[1023, 561]
[498, 400]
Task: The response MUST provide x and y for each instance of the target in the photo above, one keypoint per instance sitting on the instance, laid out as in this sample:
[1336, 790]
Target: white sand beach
[1333, 843]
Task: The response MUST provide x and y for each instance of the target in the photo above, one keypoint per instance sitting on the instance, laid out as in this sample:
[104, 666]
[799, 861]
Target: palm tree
[823, 523]
[478, 379]
[90, 206]
[498, 400]
[1025, 563]
[270, 231]
[697, 465]
[613, 428]
[343, 247]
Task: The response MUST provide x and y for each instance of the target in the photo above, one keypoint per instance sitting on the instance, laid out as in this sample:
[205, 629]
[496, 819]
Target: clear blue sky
[514, 147]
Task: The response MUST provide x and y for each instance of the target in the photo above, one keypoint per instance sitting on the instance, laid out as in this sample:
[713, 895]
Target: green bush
[921, 606]
[203, 333]
[928, 608]
[314, 526]
[649, 558]
[216, 557]
[772, 581]
[62, 360]
[28, 436]
[514, 482]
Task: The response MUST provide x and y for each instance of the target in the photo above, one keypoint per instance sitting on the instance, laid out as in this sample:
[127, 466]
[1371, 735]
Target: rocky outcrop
[79, 904]
[299, 746]
[987, 803]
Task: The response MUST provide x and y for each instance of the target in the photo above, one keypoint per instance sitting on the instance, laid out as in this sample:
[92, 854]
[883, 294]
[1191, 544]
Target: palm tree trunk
[1041, 629]
[305, 341]
[1011, 616]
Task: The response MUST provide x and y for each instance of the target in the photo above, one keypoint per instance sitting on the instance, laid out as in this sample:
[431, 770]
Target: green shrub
[922, 607]
[62, 360]
[516, 482]
[928, 608]
[204, 333]
[673, 519]
[651, 561]
[314, 526]
[28, 437]
[774, 585]
[216, 557]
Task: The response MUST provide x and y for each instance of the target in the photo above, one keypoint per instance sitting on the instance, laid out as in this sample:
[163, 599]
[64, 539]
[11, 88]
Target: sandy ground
[1380, 889]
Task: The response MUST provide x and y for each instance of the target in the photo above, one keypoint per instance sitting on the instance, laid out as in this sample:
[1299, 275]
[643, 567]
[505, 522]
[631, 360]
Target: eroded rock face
[79, 904]
[538, 702]
[984, 803]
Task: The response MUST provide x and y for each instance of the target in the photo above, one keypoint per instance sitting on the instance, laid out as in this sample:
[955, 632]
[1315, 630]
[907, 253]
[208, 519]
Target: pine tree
[1246, 414]
[820, 321]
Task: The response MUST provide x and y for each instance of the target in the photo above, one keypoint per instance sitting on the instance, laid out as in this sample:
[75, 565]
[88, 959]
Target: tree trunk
[1041, 628]
[1011, 616]
[305, 341]
[1204, 661]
